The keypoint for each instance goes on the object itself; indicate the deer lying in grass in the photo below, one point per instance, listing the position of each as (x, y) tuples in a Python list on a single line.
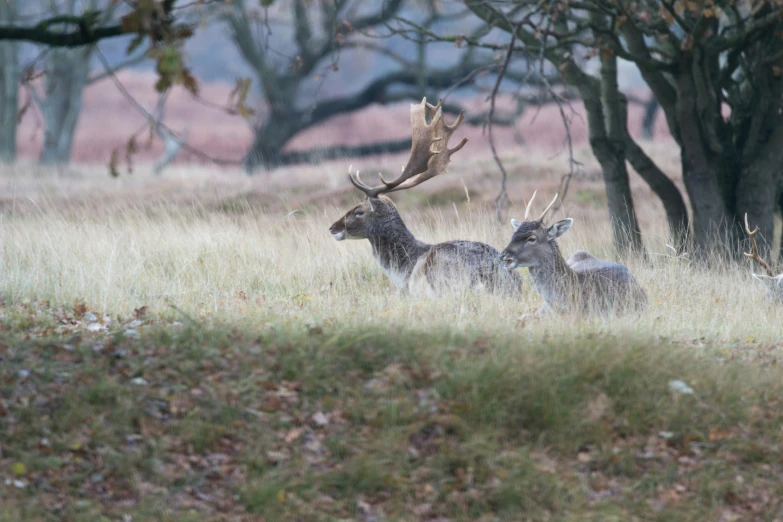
[(773, 283), (583, 284), (412, 265)]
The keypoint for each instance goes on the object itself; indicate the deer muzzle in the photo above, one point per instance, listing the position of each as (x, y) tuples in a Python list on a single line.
[(337, 231), (508, 260)]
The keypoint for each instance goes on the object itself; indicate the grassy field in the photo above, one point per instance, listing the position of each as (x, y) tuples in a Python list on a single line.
[(197, 347)]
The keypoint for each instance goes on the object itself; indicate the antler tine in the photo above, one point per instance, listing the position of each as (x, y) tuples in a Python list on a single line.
[(427, 158), (358, 183), (547, 208), (434, 108), (527, 205), (754, 249)]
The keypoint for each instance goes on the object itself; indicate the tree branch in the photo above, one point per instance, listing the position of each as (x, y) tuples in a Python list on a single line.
[(85, 32), (43, 35), (502, 196), (122, 65), (320, 154)]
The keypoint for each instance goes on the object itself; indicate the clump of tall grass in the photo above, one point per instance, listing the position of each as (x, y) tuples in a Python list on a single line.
[(221, 244)]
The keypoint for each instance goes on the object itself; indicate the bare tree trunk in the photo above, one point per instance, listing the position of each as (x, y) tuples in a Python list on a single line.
[(625, 227), (62, 102), (664, 188), (607, 130), (648, 122), (780, 210), (758, 190), (712, 221), (269, 140), (9, 88), (618, 188), (661, 185)]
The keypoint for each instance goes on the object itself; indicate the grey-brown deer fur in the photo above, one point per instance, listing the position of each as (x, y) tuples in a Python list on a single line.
[(415, 266), (412, 265), (774, 286), (583, 284)]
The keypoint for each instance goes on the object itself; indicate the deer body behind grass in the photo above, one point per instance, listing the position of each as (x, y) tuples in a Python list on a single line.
[(412, 265), (773, 283), (583, 284)]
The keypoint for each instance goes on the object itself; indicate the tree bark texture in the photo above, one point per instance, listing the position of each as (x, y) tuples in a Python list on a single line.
[(706, 175), (729, 167), (9, 88)]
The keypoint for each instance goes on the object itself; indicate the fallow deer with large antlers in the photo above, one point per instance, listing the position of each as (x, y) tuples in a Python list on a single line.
[(773, 283), (412, 265), (583, 284)]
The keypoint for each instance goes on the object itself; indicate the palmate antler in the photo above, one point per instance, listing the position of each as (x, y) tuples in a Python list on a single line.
[(754, 249), (430, 152)]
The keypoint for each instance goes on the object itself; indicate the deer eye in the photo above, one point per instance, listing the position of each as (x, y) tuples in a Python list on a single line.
[(531, 239), (359, 213)]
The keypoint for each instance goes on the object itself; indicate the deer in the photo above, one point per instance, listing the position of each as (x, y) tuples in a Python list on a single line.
[(411, 265), (584, 284), (772, 282)]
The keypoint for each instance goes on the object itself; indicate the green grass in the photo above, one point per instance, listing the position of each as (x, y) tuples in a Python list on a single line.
[(217, 421)]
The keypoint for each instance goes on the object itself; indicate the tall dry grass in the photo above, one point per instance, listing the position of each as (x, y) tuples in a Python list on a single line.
[(218, 243)]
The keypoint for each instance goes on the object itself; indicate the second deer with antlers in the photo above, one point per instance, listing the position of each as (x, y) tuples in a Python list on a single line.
[(583, 284), (412, 265)]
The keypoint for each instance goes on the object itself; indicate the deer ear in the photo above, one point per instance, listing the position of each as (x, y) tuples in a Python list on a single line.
[(559, 228), (515, 224)]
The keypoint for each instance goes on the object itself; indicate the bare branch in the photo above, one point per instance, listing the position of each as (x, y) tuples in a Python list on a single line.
[(172, 144), (84, 29), (120, 66), (502, 197), (150, 117)]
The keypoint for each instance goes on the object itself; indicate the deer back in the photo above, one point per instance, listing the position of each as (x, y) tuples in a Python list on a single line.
[(454, 266), (607, 285)]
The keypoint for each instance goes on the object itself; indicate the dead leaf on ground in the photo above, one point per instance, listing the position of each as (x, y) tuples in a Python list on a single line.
[(271, 405), (292, 435)]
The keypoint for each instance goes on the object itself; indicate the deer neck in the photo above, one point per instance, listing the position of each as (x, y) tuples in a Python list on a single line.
[(554, 280), (396, 249)]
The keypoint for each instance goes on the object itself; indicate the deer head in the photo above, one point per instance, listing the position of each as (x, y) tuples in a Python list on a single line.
[(773, 283), (532, 241), (429, 157)]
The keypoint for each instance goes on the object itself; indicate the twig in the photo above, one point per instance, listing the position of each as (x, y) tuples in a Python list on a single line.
[(502, 197), (150, 117), (183, 314), (565, 181), (127, 63)]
